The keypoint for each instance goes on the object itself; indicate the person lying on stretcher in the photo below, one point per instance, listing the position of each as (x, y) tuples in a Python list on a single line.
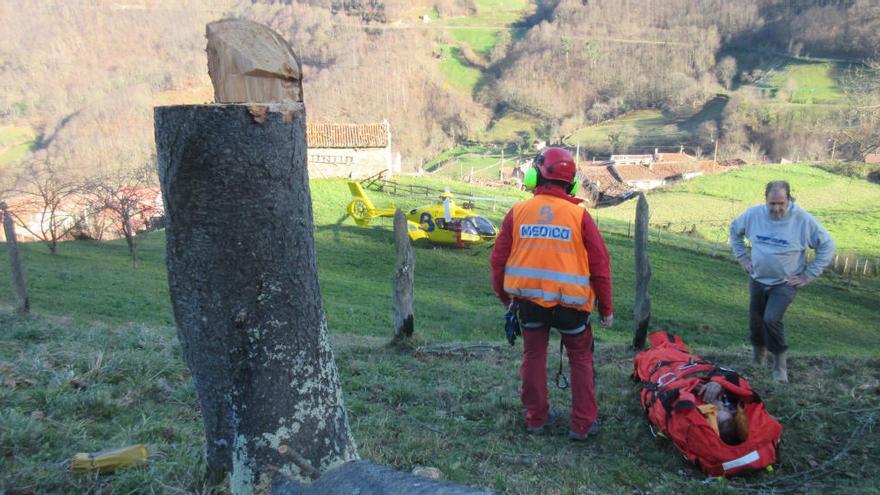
[(722, 413)]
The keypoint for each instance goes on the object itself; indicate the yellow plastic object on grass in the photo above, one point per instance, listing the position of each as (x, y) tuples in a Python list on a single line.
[(107, 461)]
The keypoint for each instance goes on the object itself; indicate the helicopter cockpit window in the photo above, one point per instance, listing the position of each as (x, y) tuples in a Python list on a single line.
[(481, 225)]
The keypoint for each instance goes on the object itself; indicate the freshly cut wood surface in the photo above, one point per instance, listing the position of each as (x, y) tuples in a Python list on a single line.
[(248, 62)]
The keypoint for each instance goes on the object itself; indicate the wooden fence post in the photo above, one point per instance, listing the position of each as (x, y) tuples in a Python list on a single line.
[(23, 306), (402, 283), (642, 306)]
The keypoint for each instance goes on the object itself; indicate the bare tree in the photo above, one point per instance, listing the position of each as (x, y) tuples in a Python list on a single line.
[(47, 205), (860, 133), (126, 195), (725, 70)]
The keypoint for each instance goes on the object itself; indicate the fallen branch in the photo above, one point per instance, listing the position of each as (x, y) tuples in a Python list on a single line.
[(456, 349)]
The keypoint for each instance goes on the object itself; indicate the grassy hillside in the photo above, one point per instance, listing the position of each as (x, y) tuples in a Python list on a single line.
[(808, 82), (453, 295), (106, 326), (480, 33), (643, 130), (457, 71), (796, 90), (71, 388), (15, 142), (846, 207)]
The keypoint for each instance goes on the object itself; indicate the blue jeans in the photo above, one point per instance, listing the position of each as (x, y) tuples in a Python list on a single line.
[(766, 309)]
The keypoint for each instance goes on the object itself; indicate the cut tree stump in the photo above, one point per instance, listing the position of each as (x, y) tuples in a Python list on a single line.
[(244, 289), (241, 266), (243, 279), (249, 62)]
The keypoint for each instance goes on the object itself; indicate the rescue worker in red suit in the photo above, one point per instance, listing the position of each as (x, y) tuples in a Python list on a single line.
[(551, 263)]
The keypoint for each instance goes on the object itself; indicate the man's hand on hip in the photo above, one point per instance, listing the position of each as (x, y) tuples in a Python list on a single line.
[(798, 281), (607, 321), (746, 263)]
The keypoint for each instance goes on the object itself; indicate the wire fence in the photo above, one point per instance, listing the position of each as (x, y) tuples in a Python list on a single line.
[(684, 236)]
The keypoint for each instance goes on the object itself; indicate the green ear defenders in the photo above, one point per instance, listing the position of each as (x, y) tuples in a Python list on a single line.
[(530, 181)]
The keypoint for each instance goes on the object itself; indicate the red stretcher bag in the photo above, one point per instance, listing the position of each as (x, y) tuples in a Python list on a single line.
[(671, 377)]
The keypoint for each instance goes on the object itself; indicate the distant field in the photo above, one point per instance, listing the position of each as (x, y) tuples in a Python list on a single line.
[(642, 130), (480, 32), (636, 127), (15, 142), (506, 129), (812, 82), (804, 91), (457, 71), (846, 207), (485, 161)]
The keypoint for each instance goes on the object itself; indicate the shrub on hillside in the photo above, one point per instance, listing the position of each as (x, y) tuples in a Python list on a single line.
[(859, 170)]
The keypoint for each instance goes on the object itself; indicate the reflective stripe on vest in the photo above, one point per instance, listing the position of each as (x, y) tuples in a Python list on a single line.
[(566, 278), (548, 262), (547, 297)]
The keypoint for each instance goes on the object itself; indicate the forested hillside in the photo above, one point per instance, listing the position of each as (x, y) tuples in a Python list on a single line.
[(78, 79)]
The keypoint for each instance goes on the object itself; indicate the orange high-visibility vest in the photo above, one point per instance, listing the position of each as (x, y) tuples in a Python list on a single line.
[(548, 264)]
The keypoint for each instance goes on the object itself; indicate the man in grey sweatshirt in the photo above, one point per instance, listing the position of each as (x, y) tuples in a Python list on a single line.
[(779, 232)]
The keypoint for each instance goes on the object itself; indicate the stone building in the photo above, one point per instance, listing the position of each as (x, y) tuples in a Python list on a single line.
[(349, 150)]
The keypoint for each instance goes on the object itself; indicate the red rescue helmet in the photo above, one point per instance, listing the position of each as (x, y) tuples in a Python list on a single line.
[(553, 164)]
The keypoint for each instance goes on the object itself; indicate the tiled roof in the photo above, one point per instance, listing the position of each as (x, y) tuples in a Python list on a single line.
[(872, 158), (347, 135), (603, 180), (671, 169), (674, 157), (629, 172)]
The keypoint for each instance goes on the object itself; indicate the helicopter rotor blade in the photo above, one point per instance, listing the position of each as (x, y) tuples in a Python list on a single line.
[(483, 198)]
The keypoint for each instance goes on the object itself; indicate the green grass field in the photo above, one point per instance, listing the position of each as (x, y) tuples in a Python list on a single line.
[(15, 143), (846, 207), (806, 91), (812, 82), (480, 33), (484, 160), (457, 71), (642, 130), (506, 129), (102, 324)]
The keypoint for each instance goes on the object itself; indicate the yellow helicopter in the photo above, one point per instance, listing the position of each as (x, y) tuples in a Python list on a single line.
[(443, 223)]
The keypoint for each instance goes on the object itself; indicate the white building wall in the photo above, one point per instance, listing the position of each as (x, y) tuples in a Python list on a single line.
[(348, 162)]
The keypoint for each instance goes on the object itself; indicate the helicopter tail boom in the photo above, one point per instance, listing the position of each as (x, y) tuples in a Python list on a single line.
[(361, 208)]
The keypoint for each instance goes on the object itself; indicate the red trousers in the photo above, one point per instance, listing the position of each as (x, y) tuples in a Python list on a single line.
[(533, 373)]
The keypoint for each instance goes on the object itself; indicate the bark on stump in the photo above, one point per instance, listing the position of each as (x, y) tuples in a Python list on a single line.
[(19, 286), (244, 289), (402, 283), (642, 306)]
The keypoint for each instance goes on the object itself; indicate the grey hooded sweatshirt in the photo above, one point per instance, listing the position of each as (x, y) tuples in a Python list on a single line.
[(779, 246)]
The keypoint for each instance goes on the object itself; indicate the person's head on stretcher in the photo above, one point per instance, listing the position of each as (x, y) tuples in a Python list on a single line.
[(713, 393)]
